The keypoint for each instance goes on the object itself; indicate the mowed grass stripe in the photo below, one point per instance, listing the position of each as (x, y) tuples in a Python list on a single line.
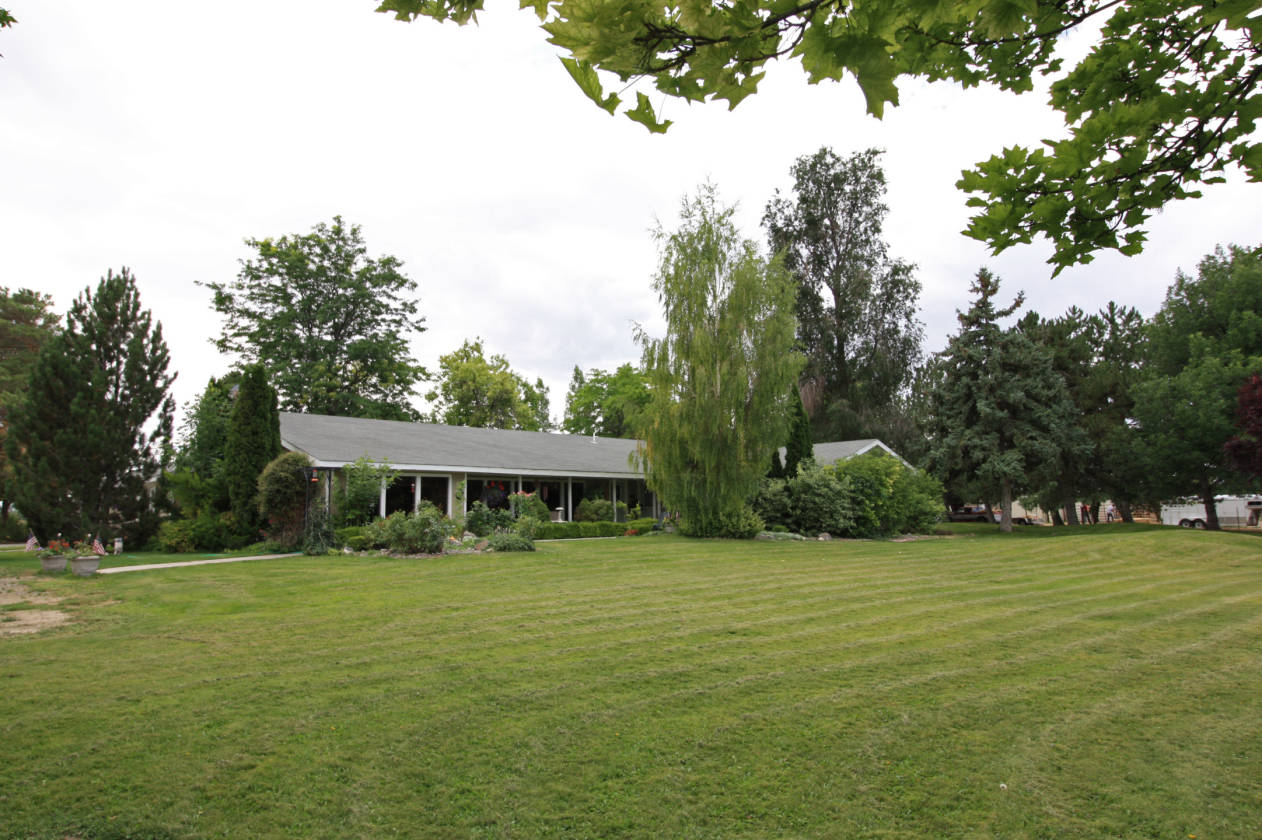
[(575, 634), (580, 632)]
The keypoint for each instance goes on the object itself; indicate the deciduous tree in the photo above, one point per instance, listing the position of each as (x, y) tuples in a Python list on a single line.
[(1205, 341), (606, 404), (721, 377), (1165, 100), (856, 306), (329, 323), (95, 424), (1244, 451), (473, 390)]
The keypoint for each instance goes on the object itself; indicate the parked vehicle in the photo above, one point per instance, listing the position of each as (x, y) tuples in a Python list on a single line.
[(1233, 512), (971, 513), (980, 513)]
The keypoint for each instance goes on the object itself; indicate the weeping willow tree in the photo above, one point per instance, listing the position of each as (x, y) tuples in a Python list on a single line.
[(722, 378)]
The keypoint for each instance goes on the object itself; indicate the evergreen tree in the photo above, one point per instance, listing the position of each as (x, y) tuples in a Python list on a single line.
[(27, 321), (1002, 418), (252, 442), (95, 423), (799, 448), (721, 376)]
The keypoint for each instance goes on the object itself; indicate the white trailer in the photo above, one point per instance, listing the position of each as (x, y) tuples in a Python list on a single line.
[(1233, 512)]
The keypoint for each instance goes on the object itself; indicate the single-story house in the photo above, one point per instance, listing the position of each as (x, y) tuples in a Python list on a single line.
[(432, 460)]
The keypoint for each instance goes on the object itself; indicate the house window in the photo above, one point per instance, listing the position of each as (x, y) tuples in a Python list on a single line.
[(401, 495), (434, 491), (490, 491)]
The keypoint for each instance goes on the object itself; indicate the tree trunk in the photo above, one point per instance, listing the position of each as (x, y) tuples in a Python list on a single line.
[(1005, 505), (1095, 513), (1124, 508), (4, 513), (1057, 519), (1211, 508), (1071, 513)]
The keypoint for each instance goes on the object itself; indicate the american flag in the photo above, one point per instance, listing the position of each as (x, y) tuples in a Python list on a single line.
[(97, 548), (32, 544)]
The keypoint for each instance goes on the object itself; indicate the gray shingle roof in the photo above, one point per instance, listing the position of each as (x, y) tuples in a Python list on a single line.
[(840, 450), (334, 441)]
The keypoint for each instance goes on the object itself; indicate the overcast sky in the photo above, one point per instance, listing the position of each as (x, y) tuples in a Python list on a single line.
[(159, 135)]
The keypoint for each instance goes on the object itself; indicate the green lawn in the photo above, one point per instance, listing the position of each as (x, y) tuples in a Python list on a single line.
[(1093, 682)]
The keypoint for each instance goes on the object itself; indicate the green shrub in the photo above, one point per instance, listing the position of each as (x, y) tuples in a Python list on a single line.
[(211, 532), (773, 503), (742, 524), (819, 501), (283, 489), (557, 531), (14, 529), (343, 535), (484, 521), (889, 498), (527, 527), (508, 541), (594, 510), (358, 542), (423, 532), (529, 505), (642, 526), (918, 502), (175, 537)]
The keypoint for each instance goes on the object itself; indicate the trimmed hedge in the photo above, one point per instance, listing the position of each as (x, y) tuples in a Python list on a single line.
[(579, 530)]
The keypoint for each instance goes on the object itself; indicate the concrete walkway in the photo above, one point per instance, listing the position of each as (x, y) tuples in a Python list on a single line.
[(117, 569)]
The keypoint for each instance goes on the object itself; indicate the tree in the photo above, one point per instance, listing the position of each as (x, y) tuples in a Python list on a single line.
[(95, 423), (856, 306), (1205, 341), (199, 483), (1002, 419), (359, 494), (1244, 451), (1067, 340), (252, 441), (27, 321), (800, 447), (328, 323), (606, 404), (1165, 100), (721, 377), (473, 390)]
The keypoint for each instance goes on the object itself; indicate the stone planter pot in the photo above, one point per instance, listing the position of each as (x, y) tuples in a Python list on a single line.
[(85, 566), (55, 563)]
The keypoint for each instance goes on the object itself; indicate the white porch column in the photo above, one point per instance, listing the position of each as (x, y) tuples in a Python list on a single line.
[(613, 497), (381, 507), (569, 500), (416, 493)]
